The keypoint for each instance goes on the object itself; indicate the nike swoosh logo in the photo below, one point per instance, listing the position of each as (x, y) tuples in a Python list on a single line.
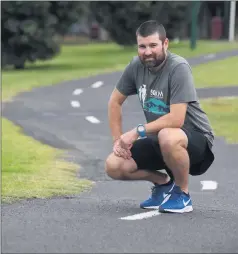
[(172, 187), (185, 203)]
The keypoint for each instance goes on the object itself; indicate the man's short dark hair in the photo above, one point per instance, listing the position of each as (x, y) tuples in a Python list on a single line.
[(150, 27)]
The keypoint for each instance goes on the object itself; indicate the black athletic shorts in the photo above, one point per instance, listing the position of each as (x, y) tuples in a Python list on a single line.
[(147, 154)]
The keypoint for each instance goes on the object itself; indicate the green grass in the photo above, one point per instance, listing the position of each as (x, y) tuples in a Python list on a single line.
[(31, 169), (218, 73), (80, 61), (223, 116)]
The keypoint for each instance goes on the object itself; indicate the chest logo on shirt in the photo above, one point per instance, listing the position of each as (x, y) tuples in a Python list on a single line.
[(142, 94), (158, 94), (154, 103)]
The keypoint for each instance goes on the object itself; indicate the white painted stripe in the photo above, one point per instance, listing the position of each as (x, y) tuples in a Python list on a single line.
[(92, 119), (97, 84), (141, 216), (209, 185), (210, 56), (77, 91), (227, 97), (75, 104)]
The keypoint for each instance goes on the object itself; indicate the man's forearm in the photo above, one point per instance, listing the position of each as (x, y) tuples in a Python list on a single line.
[(115, 122), (166, 121)]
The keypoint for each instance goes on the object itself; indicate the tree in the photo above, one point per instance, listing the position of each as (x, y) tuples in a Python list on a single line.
[(121, 19), (30, 29), (66, 13)]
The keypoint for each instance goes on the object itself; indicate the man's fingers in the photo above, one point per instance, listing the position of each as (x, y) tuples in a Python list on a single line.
[(126, 154), (120, 152), (116, 152), (122, 149), (125, 145)]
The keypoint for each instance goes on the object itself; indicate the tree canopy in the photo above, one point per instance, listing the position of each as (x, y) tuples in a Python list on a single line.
[(29, 29), (121, 19)]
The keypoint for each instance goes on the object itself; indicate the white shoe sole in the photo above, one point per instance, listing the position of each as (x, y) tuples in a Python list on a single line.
[(186, 209), (149, 207)]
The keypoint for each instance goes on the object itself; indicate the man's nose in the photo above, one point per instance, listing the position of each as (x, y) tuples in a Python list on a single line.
[(148, 51)]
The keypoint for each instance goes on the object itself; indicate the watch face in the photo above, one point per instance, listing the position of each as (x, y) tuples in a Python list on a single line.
[(141, 128)]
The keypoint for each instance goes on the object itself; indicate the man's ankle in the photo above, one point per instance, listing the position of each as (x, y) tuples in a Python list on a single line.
[(166, 181), (185, 191)]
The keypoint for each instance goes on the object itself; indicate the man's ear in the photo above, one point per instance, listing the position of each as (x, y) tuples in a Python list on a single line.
[(166, 43)]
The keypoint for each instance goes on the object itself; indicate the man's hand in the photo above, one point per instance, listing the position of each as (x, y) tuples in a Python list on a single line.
[(128, 138), (123, 145), (121, 152)]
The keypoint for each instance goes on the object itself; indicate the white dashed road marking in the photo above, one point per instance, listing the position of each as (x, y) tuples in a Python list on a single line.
[(75, 104), (209, 185), (210, 56), (92, 119), (97, 84), (77, 91), (141, 216)]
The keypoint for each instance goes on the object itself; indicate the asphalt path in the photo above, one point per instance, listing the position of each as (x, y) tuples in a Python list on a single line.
[(107, 219)]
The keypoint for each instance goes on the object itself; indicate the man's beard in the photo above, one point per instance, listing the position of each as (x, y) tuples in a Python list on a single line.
[(154, 61)]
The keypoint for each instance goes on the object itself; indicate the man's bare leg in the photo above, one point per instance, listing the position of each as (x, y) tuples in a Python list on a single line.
[(121, 169), (173, 143)]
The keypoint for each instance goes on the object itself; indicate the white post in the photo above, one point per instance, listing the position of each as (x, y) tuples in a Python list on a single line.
[(232, 20)]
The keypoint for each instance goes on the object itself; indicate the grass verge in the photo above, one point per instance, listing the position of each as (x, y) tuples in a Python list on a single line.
[(33, 170), (217, 74), (77, 61), (223, 116)]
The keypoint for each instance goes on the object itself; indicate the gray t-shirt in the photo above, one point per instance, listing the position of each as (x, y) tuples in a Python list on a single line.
[(172, 84)]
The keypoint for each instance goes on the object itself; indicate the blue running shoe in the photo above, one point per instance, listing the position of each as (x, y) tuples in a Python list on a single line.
[(177, 202), (159, 194)]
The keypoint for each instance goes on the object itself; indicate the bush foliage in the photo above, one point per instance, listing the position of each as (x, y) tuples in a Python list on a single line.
[(29, 29)]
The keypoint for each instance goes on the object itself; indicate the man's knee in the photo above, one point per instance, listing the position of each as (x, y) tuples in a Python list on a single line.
[(170, 138), (114, 166), (118, 168)]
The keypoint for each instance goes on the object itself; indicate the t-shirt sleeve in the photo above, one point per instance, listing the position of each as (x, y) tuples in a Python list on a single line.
[(126, 84), (182, 89)]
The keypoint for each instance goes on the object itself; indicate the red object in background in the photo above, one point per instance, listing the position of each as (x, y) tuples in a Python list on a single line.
[(94, 32), (216, 28)]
